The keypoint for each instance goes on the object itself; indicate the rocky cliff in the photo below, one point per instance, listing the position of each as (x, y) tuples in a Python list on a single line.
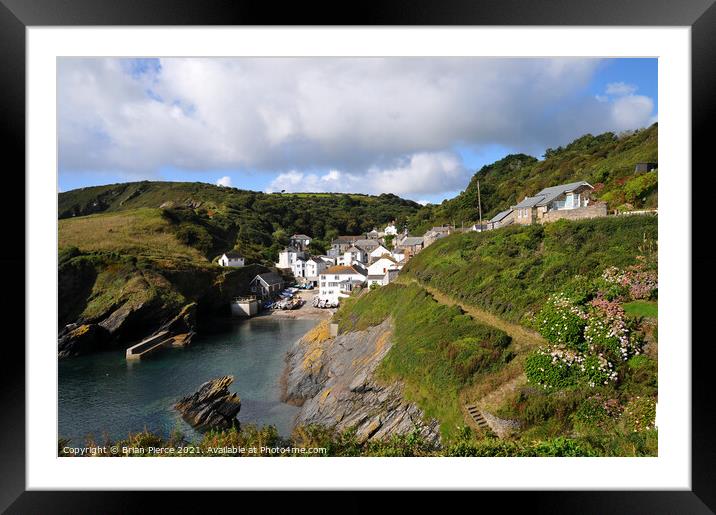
[(109, 301), (333, 380)]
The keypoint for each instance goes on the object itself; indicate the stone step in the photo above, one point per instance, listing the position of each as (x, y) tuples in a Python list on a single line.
[(477, 417)]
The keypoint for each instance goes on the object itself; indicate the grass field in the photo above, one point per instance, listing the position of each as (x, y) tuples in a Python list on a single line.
[(140, 232), (642, 308)]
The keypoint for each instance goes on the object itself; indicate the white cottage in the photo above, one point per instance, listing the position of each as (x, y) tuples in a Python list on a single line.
[(352, 255), (300, 241), (390, 229), (381, 266), (231, 258), (314, 267), (298, 267), (377, 253), (338, 281), (288, 256)]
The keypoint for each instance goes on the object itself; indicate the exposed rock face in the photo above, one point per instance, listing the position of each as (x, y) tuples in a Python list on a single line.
[(333, 381), (181, 327), (503, 428), (76, 339), (140, 308), (212, 406)]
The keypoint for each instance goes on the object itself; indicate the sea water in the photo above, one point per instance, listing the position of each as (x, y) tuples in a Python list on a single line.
[(103, 393)]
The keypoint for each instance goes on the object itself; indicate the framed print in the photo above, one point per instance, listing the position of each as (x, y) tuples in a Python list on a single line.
[(421, 252)]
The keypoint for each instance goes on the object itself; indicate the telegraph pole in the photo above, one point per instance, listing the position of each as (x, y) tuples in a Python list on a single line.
[(479, 204)]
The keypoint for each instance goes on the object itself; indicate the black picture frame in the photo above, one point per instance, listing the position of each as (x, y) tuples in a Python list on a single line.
[(17, 15)]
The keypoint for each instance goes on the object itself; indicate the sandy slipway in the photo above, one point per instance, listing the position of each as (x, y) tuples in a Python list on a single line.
[(333, 382)]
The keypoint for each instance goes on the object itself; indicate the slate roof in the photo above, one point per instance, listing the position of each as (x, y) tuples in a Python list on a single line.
[(551, 193), (412, 240), (530, 201), (300, 237), (345, 239), (376, 277), (270, 278), (367, 243), (501, 215), (233, 254)]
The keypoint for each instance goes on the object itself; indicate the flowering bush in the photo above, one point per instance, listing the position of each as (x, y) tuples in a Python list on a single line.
[(553, 367), (597, 370), (588, 330), (559, 367), (561, 321), (635, 281), (608, 333)]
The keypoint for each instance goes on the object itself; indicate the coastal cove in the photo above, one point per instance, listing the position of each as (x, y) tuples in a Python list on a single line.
[(102, 393)]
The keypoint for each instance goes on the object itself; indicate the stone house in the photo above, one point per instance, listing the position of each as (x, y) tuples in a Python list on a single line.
[(570, 201)]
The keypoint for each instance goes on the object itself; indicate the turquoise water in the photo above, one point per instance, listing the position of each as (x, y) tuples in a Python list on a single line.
[(103, 393)]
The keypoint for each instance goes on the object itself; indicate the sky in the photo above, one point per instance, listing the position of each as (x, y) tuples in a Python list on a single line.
[(415, 127)]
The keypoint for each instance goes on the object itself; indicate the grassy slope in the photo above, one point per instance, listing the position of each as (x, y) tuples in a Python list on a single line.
[(214, 219), (642, 308), (140, 232), (605, 161), (437, 351), (511, 271)]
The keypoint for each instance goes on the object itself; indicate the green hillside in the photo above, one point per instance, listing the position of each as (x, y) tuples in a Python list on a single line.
[(438, 350), (551, 328), (214, 219), (511, 271), (606, 161)]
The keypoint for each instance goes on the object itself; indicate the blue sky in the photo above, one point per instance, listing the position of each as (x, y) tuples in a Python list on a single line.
[(418, 128)]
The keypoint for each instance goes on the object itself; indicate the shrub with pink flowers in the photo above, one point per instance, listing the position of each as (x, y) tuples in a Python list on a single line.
[(608, 333), (636, 282), (586, 340)]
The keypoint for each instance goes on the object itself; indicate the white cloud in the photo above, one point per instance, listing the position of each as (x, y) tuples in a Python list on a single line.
[(620, 88), (631, 110), (224, 181), (372, 120), (418, 174)]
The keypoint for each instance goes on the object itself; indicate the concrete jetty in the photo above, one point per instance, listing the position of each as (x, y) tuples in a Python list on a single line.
[(150, 345)]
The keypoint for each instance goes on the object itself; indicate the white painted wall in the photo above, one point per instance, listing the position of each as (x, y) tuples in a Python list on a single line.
[(328, 288), (225, 261), (381, 267), (378, 252)]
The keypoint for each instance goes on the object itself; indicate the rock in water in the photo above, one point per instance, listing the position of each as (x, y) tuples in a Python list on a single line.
[(212, 406)]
